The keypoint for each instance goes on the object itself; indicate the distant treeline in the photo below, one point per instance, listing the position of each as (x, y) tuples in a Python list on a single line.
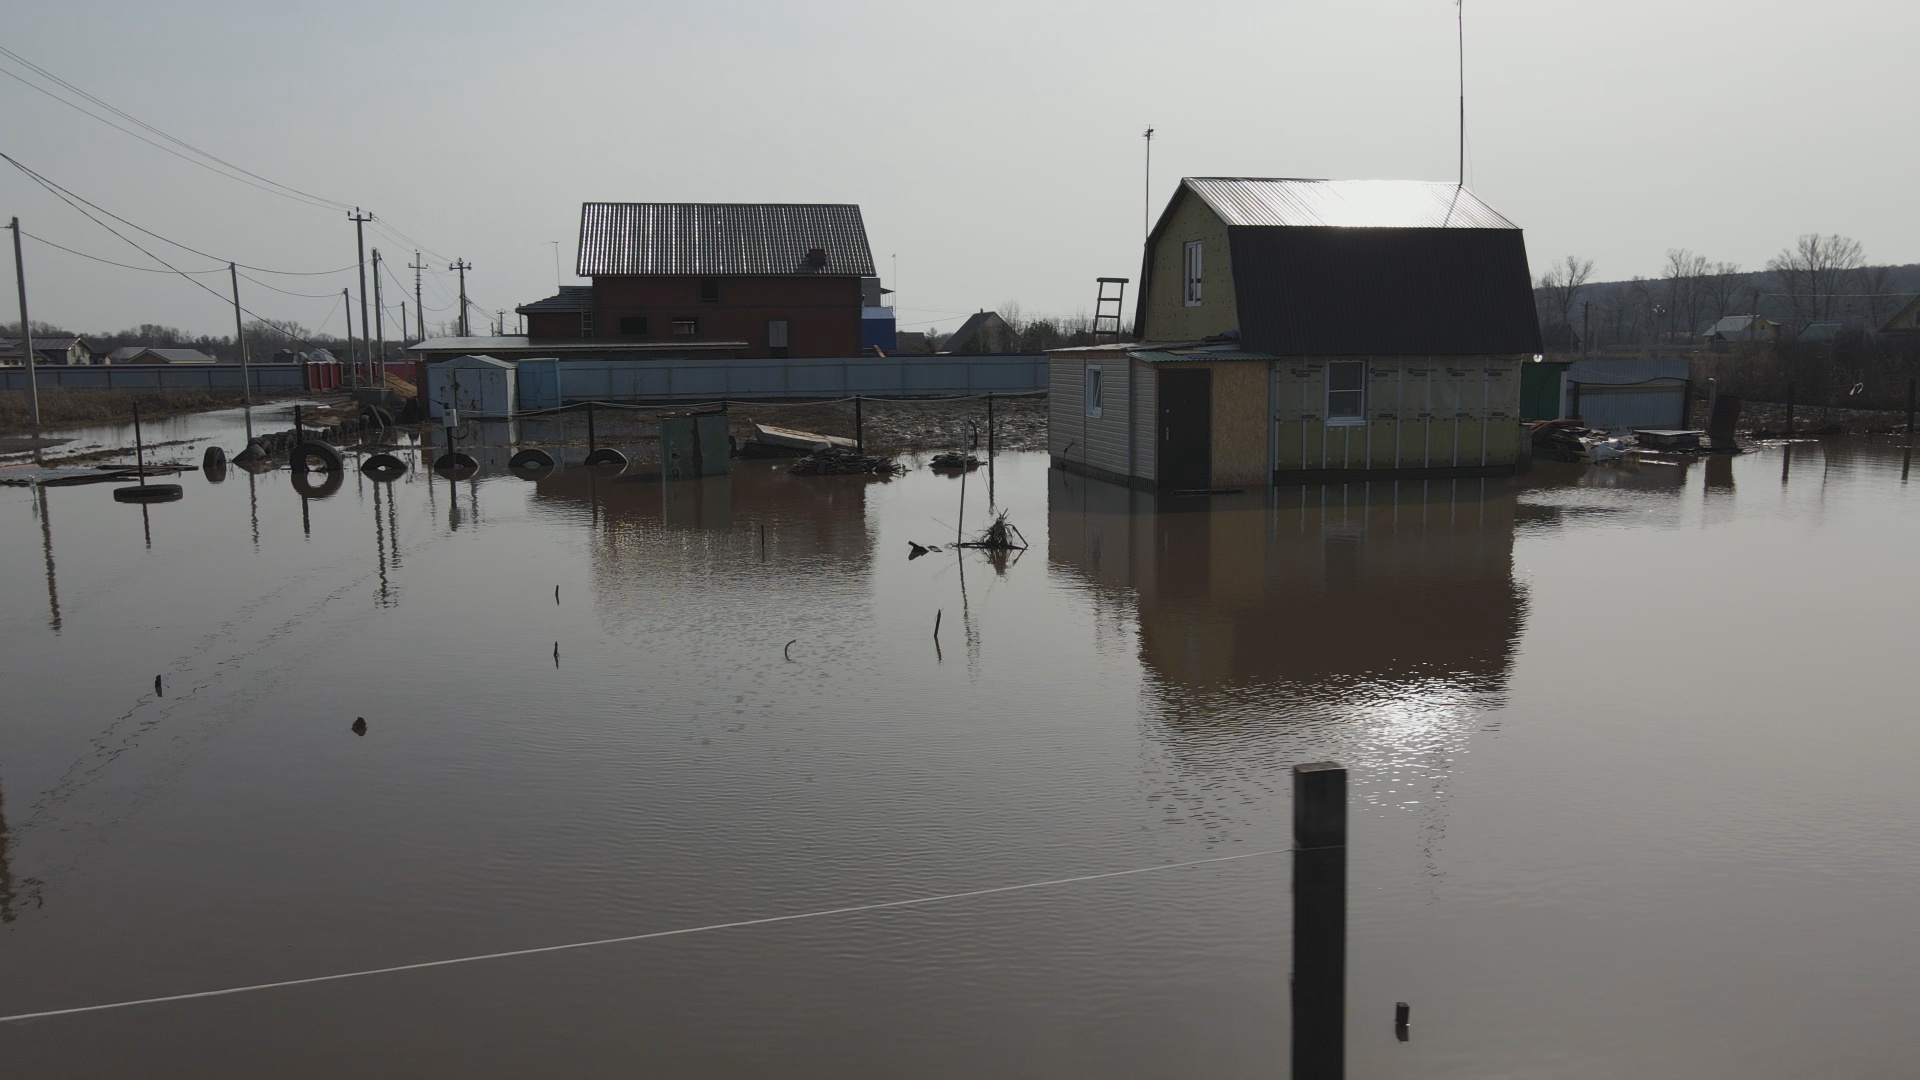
[(264, 337)]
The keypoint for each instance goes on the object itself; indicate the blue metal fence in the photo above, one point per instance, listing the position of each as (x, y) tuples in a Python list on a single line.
[(266, 378), (706, 380)]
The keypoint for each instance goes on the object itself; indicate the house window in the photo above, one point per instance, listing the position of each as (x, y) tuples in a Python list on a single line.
[(709, 290), (777, 338), (686, 327), (1193, 273), (633, 325), (1093, 390), (1347, 392), (586, 324)]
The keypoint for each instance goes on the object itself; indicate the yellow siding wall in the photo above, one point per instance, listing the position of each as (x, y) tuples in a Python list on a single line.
[(1421, 413), (1168, 316)]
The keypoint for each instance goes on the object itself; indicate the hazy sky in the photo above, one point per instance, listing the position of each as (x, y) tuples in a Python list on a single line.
[(994, 146)]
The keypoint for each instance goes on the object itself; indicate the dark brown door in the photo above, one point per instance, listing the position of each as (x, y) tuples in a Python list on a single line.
[(1186, 429)]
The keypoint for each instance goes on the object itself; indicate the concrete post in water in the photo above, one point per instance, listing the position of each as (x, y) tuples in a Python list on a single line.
[(1789, 410), (591, 447), (26, 330), (989, 426), (139, 449), (1319, 921), (240, 338)]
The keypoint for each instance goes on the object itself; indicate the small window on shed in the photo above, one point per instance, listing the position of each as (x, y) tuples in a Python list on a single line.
[(709, 290), (686, 327), (1346, 392), (586, 324), (777, 338), (1193, 273), (1093, 391), (633, 325)]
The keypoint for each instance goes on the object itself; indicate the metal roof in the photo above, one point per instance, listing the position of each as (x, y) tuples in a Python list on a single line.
[(1186, 356), (570, 299), (1345, 204), (722, 239)]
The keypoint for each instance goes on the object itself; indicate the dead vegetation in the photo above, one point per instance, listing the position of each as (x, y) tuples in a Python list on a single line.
[(79, 408)]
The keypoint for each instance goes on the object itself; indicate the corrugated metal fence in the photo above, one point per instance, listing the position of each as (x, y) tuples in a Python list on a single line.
[(705, 380), (266, 378), (1618, 395)]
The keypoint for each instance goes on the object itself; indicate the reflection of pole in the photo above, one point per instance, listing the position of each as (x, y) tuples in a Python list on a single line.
[(1319, 921), (46, 546)]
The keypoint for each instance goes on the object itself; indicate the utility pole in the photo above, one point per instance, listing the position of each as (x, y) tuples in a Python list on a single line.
[(403, 325), (419, 309), (26, 329), (1146, 211), (1460, 20), (500, 323), (360, 238), (379, 368), (240, 338), (346, 305), (463, 266)]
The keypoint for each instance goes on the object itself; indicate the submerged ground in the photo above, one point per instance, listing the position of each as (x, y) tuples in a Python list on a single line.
[(1631, 748)]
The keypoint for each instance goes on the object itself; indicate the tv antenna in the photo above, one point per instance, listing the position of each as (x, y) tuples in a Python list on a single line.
[(1146, 210)]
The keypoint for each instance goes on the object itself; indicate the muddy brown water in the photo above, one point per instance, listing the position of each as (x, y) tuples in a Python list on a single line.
[(1633, 773)]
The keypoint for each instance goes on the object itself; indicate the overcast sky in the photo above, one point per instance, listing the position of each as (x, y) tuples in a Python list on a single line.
[(994, 147)]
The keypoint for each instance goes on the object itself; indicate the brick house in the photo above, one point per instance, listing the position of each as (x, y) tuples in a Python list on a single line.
[(730, 279)]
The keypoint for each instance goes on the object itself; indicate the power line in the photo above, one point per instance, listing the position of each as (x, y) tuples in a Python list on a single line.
[(289, 292), (57, 189), (303, 196), (121, 265)]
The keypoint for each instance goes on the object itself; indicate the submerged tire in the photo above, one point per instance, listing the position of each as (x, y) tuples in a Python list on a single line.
[(147, 493), (330, 459), (454, 462), (607, 456), (531, 459), (383, 467), (330, 482)]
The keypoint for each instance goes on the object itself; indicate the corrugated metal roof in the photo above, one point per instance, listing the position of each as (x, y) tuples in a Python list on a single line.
[(1383, 291), (1345, 204), (1187, 356), (722, 239), (570, 299)]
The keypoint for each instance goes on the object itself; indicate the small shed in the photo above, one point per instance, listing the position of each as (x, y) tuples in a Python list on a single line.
[(473, 385)]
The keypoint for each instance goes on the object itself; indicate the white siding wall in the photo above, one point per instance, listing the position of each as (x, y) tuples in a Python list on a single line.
[(1072, 435)]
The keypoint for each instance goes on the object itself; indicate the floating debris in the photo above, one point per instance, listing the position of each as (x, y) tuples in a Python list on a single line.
[(914, 551), (953, 461), (360, 725), (1002, 535), (835, 461)]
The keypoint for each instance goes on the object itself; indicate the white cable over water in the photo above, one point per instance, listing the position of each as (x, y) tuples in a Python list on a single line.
[(738, 924)]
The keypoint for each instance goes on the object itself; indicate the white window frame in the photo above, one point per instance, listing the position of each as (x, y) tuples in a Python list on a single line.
[(1192, 273), (1095, 384), (1359, 417)]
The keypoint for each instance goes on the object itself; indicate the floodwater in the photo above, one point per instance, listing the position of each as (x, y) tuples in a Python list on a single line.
[(1633, 774)]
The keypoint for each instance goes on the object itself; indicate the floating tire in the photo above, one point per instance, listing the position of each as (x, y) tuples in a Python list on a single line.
[(607, 456), (213, 465), (147, 493), (383, 467), (330, 483), (455, 464), (302, 456), (531, 459)]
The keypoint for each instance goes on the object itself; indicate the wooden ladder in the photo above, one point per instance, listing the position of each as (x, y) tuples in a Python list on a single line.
[(1106, 320)]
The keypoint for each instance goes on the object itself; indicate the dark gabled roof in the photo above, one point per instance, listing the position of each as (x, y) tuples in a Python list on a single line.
[(1345, 291), (722, 239), (1366, 267), (977, 323), (571, 299)]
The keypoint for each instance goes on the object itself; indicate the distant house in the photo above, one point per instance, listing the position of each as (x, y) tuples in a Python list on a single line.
[(1824, 330), (716, 279), (1734, 329), (61, 351), (984, 333), (140, 354), (1904, 321), (909, 342), (1305, 332)]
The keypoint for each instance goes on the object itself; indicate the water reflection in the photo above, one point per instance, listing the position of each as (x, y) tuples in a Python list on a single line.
[(46, 545), (1372, 623)]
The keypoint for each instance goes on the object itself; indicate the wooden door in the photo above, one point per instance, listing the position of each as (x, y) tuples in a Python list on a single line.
[(1186, 429)]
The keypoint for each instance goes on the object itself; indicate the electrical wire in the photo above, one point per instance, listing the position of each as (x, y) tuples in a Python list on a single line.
[(121, 265), (288, 292), (737, 924), (296, 194)]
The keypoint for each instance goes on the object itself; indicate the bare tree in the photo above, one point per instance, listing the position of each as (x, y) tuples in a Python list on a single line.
[(1814, 271), (1878, 299), (1684, 278), (1562, 284), (1723, 286)]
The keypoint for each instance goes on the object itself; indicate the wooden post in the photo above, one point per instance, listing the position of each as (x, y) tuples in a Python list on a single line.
[(1789, 410), (859, 430), (989, 425), (1911, 386), (591, 446), (1319, 921)]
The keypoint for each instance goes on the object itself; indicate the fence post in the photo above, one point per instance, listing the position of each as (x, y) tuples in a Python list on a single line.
[(1789, 410), (1319, 921), (989, 425), (1911, 383), (859, 430), (591, 445)]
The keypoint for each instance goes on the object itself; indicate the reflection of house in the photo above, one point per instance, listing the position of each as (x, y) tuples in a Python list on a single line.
[(1344, 592), (725, 279), (1307, 331)]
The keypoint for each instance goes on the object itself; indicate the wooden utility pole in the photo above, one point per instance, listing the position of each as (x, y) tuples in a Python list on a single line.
[(419, 309), (26, 330), (360, 239), (240, 337), (1319, 921), (346, 304), (379, 367), (463, 266)]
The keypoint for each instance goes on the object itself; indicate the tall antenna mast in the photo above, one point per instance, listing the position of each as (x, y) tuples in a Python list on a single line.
[(1146, 209), (1460, 20)]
